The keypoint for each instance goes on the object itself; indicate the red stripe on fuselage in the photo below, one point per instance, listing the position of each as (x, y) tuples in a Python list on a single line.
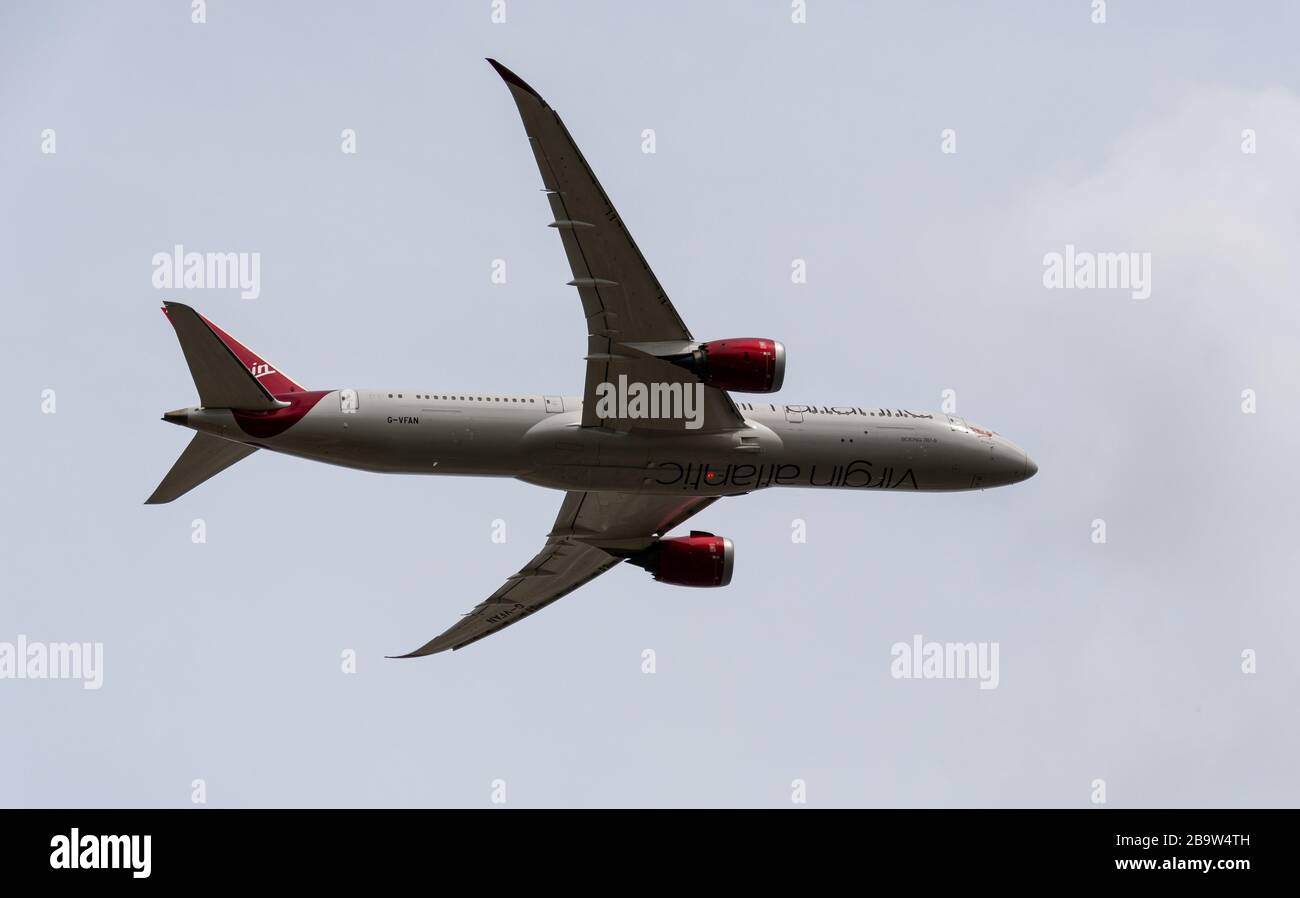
[(276, 421)]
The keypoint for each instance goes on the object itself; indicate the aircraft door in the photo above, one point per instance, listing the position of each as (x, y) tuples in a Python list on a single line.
[(553, 404)]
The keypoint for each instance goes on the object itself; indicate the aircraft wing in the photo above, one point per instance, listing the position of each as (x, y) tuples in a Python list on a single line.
[(575, 552), (622, 299)]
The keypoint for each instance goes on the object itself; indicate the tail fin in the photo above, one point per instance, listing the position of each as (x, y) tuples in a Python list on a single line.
[(205, 456), (227, 373)]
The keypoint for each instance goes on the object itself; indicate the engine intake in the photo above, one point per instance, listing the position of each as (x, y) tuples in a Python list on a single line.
[(700, 559), (743, 364)]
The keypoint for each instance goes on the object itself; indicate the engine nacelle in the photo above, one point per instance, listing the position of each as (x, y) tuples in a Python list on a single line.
[(743, 364), (700, 559)]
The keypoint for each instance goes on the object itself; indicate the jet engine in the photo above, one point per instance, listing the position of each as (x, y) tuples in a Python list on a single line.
[(700, 559), (743, 364)]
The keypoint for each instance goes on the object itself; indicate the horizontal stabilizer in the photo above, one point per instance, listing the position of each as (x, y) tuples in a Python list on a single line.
[(205, 456)]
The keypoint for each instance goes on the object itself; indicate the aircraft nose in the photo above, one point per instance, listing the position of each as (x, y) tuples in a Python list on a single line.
[(1002, 462), (993, 459), (1013, 462)]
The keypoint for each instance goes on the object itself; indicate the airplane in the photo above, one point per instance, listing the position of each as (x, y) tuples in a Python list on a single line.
[(654, 439)]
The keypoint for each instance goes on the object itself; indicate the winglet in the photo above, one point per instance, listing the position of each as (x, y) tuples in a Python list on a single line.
[(511, 78)]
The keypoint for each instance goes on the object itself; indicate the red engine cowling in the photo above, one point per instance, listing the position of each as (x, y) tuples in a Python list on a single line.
[(700, 559), (744, 364)]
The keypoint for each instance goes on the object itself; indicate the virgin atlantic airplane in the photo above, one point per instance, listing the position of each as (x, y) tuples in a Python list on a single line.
[(653, 440)]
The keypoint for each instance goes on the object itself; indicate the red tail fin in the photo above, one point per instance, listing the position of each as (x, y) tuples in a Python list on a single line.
[(274, 380)]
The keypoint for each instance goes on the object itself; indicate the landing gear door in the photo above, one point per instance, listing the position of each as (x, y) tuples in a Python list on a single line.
[(553, 404)]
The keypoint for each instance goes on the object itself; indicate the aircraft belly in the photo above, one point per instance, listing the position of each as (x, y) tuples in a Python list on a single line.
[(556, 451), (405, 438)]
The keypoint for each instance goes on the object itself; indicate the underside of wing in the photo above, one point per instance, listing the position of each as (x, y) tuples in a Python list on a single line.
[(553, 573), (592, 533), (622, 300)]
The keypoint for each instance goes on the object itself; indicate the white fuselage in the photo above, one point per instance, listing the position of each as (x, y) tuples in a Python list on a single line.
[(538, 439)]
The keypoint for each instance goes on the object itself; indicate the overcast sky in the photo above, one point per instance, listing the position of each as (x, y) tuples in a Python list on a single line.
[(1120, 661)]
